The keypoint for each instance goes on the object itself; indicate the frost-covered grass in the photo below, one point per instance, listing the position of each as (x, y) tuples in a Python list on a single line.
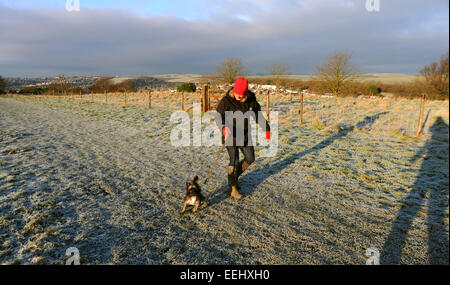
[(400, 116), (105, 179), (159, 99)]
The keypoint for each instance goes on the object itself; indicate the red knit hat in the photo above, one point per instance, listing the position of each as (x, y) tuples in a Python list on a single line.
[(240, 86)]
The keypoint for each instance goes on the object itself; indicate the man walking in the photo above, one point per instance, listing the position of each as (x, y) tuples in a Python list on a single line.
[(239, 98)]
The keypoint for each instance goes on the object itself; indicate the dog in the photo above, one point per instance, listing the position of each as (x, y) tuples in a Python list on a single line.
[(193, 196)]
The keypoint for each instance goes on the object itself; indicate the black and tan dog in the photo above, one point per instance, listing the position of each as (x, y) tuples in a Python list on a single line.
[(193, 196)]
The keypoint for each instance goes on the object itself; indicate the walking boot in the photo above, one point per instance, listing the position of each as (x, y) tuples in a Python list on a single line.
[(235, 194)]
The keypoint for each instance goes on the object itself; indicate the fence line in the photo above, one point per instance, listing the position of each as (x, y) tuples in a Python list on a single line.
[(286, 105)]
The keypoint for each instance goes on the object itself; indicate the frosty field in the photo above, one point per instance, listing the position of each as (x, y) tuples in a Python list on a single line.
[(106, 180)]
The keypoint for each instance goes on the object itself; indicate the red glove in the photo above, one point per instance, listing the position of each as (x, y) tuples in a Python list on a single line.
[(226, 132), (267, 135)]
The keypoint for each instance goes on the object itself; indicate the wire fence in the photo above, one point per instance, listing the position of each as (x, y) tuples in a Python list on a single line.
[(405, 117)]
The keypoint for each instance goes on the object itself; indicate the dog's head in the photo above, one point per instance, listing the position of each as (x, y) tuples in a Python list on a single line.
[(193, 188)]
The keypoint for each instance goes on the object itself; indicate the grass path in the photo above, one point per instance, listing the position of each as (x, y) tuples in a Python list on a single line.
[(105, 180)]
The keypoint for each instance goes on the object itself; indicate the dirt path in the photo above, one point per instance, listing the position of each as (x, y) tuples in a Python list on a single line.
[(113, 190)]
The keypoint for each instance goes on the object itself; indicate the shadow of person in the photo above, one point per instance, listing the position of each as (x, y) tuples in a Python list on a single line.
[(258, 176), (431, 186)]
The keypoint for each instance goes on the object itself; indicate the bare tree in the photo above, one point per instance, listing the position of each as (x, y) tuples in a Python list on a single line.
[(436, 78), (278, 72), (336, 72), (230, 69)]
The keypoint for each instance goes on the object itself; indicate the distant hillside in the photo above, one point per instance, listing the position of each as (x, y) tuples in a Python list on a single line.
[(179, 78), (381, 77), (147, 82), (389, 77), (142, 82)]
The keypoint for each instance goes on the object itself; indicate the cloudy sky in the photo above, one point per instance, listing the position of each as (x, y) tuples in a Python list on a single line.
[(110, 37)]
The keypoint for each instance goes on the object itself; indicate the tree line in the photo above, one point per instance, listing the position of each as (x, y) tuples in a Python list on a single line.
[(337, 75), (62, 87)]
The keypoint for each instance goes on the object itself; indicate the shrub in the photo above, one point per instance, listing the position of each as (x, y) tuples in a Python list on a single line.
[(373, 90), (32, 90), (187, 87), (105, 85)]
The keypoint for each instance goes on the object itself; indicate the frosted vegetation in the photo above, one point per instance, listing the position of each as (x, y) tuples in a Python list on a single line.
[(105, 179)]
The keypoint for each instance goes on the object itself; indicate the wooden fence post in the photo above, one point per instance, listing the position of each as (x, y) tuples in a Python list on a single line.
[(301, 107), (125, 98), (182, 101), (419, 127), (201, 99), (81, 97), (92, 97), (209, 101), (267, 105), (149, 99), (106, 97), (205, 97)]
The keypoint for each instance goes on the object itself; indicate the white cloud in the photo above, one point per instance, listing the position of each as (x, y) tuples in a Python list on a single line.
[(401, 38)]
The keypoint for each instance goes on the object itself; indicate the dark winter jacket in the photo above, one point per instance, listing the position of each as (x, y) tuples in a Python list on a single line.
[(229, 103)]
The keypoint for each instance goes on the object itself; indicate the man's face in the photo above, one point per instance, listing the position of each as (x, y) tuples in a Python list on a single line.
[(240, 97)]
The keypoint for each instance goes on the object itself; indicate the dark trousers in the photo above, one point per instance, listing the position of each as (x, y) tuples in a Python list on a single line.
[(235, 166)]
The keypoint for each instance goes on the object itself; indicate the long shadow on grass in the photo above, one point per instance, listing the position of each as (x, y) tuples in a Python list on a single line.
[(431, 186), (260, 175)]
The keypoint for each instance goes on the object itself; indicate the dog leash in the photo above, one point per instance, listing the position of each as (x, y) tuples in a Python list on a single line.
[(215, 162)]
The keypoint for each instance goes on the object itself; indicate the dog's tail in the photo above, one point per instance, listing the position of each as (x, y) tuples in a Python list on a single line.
[(195, 179)]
